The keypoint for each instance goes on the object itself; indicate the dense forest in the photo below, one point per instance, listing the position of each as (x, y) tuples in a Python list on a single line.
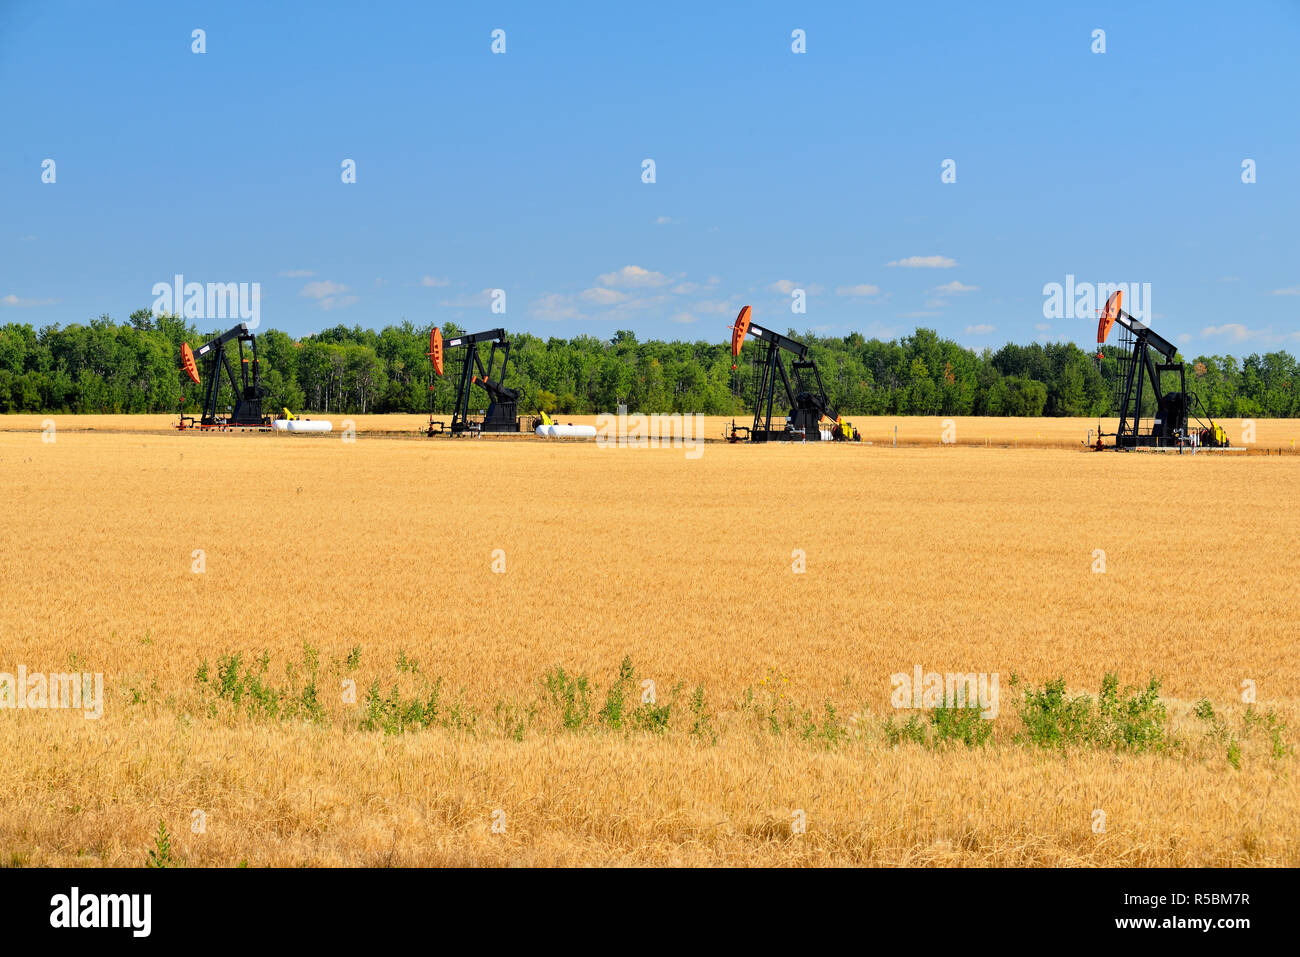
[(135, 367)]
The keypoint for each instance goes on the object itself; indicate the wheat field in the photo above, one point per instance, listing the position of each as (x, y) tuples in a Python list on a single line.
[(480, 597)]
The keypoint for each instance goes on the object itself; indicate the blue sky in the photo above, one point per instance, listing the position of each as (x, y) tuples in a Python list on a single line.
[(774, 170)]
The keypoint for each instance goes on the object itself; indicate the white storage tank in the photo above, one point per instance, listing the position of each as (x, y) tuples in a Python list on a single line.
[(567, 431), (302, 425)]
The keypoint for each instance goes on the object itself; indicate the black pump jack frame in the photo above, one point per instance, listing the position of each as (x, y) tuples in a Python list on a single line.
[(807, 404), (1151, 356), (503, 406), (246, 388)]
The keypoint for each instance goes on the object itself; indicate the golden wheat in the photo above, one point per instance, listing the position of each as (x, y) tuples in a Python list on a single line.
[(954, 559)]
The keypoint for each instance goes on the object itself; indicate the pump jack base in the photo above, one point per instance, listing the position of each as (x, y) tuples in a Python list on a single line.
[(188, 423)]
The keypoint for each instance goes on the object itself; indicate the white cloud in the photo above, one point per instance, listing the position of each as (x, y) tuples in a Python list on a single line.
[(553, 306), (1232, 330), (1043, 326), (601, 296), (322, 288), (12, 300), (296, 274), (433, 282), (1235, 332), (980, 329), (328, 294), (861, 289), (633, 277), (1288, 291), (665, 221), (924, 262), (784, 286), (953, 288)]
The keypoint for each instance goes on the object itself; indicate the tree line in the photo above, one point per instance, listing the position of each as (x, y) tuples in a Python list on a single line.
[(110, 367)]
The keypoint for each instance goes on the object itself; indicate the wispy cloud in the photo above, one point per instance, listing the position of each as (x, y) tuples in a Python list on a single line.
[(628, 294), (862, 289), (785, 287), (296, 274), (555, 307), (633, 277), (939, 295), (602, 296), (1235, 332), (953, 288), (1288, 291), (21, 303), (328, 294), (924, 262), (666, 221), (433, 282), (979, 329)]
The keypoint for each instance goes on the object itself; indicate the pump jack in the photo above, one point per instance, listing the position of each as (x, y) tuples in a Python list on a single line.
[(806, 394), (246, 388), (1137, 369), (503, 402)]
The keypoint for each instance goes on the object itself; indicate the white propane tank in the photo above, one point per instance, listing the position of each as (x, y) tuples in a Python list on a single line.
[(567, 431), (302, 425)]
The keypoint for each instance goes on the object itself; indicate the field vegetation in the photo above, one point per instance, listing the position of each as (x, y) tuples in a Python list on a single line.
[(401, 651)]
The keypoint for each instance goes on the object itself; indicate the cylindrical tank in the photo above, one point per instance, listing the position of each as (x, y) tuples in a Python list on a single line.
[(567, 431), (302, 425)]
